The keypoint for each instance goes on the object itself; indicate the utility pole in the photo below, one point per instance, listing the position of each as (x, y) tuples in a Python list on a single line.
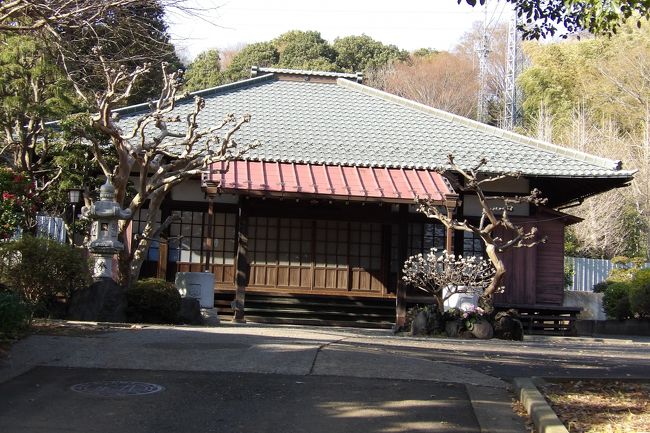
[(482, 49), (514, 61)]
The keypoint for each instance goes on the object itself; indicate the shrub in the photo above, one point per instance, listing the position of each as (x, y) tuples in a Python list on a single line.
[(15, 315), (600, 287), (42, 271), (640, 293), (616, 300), (153, 300)]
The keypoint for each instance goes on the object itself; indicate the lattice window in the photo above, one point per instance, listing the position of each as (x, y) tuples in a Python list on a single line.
[(224, 239), (188, 234), (365, 246), (138, 223), (331, 244), (186, 237), (472, 245), (424, 236)]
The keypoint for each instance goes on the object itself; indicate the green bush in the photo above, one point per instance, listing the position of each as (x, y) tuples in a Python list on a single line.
[(43, 271), (15, 315), (616, 300), (640, 293), (153, 300), (600, 287)]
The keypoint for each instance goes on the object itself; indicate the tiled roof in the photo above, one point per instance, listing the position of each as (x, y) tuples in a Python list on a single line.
[(355, 183), (349, 124)]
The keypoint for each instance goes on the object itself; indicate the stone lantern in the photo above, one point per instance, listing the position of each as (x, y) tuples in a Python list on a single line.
[(104, 215)]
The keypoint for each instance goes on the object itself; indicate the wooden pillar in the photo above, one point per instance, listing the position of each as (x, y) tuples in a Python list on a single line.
[(449, 238), (402, 239), (243, 266), (163, 251), (459, 238), (209, 236), (400, 306), (402, 252)]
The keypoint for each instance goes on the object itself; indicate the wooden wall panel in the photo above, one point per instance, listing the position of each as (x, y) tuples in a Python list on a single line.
[(319, 278), (342, 278), (550, 264), (305, 277), (521, 276), (536, 275), (283, 276), (271, 276), (355, 283), (294, 277)]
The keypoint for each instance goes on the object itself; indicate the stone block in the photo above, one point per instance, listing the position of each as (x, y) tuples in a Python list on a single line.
[(190, 312), (102, 301)]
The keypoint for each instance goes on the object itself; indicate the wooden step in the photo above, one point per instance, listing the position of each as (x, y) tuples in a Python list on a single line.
[(312, 310)]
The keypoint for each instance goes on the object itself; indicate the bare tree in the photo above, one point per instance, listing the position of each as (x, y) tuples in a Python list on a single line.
[(494, 227), (59, 16), (443, 80), (158, 157)]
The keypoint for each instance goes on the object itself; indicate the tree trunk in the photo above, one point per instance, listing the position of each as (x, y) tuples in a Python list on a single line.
[(486, 301), (141, 248)]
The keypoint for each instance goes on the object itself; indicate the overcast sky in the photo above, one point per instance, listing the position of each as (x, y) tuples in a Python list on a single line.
[(409, 24)]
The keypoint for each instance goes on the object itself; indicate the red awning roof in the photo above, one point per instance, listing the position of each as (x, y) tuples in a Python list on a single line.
[(335, 181)]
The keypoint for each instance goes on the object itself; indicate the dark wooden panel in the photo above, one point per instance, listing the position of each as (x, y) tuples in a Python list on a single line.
[(550, 264)]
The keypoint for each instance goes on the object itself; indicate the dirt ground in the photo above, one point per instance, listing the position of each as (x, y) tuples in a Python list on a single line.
[(601, 406)]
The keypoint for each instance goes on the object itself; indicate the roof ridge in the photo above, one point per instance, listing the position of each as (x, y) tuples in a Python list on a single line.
[(329, 74), (204, 92), (615, 165)]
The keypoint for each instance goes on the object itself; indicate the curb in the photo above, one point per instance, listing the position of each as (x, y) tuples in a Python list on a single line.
[(545, 420), (493, 410)]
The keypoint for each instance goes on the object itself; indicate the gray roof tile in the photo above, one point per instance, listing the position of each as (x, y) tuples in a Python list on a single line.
[(351, 124)]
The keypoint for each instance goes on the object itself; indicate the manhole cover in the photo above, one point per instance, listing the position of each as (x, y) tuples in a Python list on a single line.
[(116, 388)]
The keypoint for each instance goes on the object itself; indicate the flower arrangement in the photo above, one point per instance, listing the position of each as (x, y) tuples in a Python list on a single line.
[(444, 274)]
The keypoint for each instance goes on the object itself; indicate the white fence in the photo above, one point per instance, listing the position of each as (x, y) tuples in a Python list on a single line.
[(587, 272), (50, 227)]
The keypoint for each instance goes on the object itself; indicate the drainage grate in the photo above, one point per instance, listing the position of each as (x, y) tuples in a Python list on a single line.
[(116, 388)]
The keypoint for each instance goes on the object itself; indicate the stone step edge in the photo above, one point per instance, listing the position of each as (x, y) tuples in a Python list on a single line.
[(544, 418)]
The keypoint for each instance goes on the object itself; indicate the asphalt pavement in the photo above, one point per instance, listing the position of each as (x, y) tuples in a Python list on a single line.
[(266, 378)]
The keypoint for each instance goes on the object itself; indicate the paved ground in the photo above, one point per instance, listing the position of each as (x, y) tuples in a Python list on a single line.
[(290, 379)]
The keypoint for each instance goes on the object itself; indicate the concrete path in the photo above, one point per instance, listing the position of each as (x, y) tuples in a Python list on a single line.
[(285, 378)]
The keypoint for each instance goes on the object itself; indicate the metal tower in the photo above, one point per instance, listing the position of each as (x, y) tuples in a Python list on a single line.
[(514, 61), (482, 49)]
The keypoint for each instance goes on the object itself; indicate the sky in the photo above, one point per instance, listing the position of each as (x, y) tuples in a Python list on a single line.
[(409, 24)]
